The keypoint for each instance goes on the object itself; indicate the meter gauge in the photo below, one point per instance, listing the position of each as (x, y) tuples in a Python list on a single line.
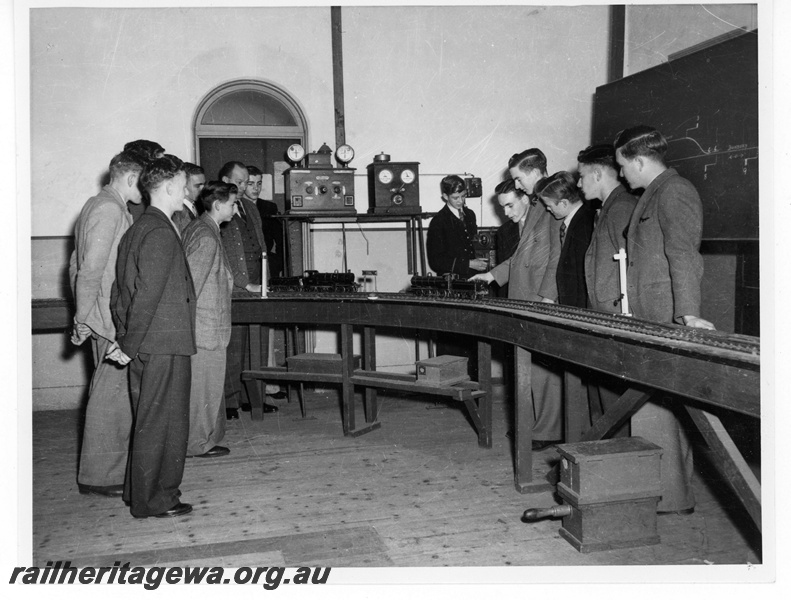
[(295, 153), (407, 176), (344, 154), (386, 176)]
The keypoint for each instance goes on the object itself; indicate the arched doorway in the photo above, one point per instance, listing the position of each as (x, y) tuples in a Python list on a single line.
[(252, 121)]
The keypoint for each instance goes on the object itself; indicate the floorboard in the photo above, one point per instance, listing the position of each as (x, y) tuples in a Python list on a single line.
[(417, 492)]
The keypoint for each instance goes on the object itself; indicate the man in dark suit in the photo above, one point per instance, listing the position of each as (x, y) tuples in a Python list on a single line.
[(450, 250), (243, 240), (273, 231), (190, 209), (598, 180), (153, 308), (145, 151), (664, 274), (561, 198), (449, 246)]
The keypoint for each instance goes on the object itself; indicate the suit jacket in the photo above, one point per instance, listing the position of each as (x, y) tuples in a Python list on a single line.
[(153, 300), (571, 264), (601, 269), (530, 272), (184, 217), (449, 245), (102, 222), (273, 235), (232, 241), (213, 280), (662, 245)]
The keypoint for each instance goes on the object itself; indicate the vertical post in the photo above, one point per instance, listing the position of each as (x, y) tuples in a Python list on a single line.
[(617, 42), (337, 75), (347, 388), (485, 382), (523, 417), (369, 364)]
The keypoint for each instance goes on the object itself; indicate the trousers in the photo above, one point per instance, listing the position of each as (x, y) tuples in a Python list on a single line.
[(236, 355), (657, 423), (160, 388), (108, 421), (207, 408)]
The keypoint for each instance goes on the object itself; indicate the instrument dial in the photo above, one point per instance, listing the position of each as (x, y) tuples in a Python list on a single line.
[(344, 153), (407, 176), (386, 176), (295, 153)]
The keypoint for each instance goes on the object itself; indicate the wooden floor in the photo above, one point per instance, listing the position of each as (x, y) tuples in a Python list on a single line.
[(295, 492)]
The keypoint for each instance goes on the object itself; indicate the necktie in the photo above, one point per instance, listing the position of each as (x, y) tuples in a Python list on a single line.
[(562, 233), (596, 218)]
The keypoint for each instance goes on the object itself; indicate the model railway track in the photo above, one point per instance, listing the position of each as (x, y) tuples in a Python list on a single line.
[(714, 339)]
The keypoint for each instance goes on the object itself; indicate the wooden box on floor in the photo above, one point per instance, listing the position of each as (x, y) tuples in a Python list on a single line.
[(613, 488), (442, 370)]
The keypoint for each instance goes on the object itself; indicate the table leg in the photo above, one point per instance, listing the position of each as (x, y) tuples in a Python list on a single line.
[(485, 382), (369, 364)]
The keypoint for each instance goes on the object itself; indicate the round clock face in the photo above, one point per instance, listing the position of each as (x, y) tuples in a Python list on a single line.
[(385, 176), (407, 176), (344, 153), (295, 152)]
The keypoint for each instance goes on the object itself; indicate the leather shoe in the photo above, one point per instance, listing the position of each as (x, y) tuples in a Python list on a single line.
[(231, 413), (538, 445), (182, 508), (110, 491), (279, 395), (216, 451), (684, 512), (270, 408)]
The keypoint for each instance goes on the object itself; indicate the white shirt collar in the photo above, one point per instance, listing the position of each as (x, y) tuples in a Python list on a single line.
[(454, 212)]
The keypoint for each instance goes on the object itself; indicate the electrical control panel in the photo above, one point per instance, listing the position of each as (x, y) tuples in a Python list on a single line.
[(318, 187), (393, 187)]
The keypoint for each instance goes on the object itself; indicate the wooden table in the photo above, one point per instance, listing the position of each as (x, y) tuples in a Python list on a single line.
[(713, 370)]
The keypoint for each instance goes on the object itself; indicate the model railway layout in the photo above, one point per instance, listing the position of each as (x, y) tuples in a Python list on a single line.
[(716, 339)]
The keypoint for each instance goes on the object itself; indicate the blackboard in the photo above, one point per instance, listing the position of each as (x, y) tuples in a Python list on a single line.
[(706, 105)]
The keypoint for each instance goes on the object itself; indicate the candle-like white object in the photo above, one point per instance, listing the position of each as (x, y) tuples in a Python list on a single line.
[(264, 277), (621, 258)]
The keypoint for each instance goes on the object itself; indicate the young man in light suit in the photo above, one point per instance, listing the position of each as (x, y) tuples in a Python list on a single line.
[(530, 274), (108, 417), (153, 307), (664, 274), (213, 279)]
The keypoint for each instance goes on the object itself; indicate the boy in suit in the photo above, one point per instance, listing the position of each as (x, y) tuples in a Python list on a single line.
[(530, 274), (108, 417), (213, 280), (598, 180), (560, 196), (190, 210), (153, 307), (664, 274), (449, 246), (243, 239)]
